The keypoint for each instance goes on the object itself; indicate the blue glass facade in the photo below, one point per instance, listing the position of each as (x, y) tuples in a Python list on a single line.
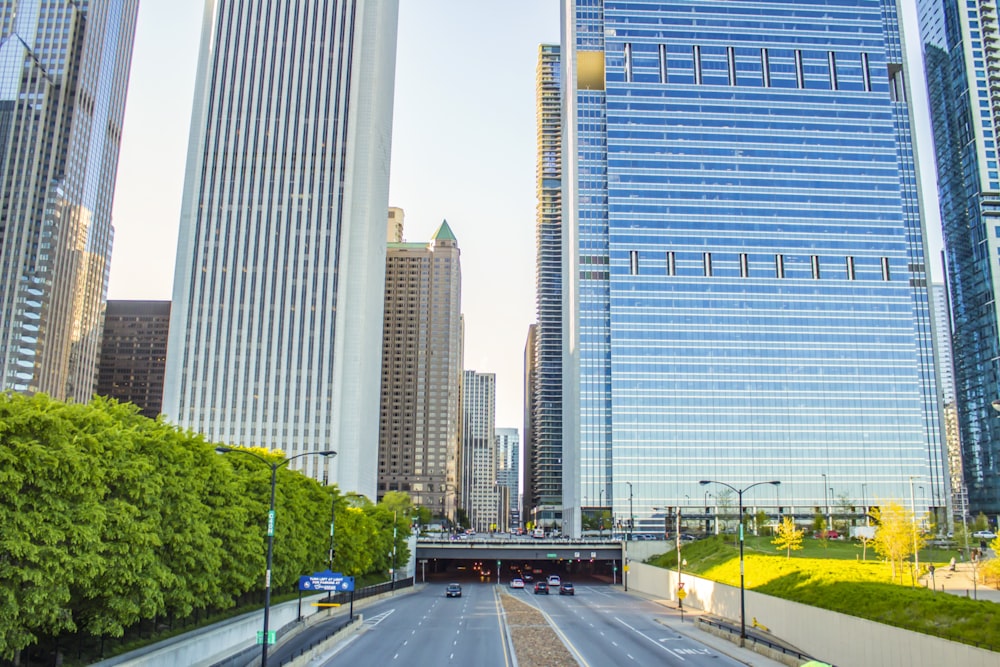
[(746, 289), (965, 113)]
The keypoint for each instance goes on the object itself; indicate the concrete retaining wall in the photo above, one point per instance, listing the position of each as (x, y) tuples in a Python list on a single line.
[(829, 636)]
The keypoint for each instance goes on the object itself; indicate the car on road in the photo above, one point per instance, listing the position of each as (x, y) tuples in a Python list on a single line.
[(567, 589), (554, 581), (541, 587), (984, 535), (453, 591), (528, 578), (517, 583)]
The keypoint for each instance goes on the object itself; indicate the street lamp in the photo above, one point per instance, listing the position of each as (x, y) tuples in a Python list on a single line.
[(677, 538), (274, 465), (708, 516), (864, 501), (600, 518), (913, 510), (739, 493), (826, 503), (631, 512)]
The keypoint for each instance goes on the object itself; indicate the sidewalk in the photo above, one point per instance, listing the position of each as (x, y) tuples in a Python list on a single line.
[(960, 582), (690, 629)]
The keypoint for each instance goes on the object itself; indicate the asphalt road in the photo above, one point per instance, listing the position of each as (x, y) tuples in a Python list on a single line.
[(426, 628), (602, 625)]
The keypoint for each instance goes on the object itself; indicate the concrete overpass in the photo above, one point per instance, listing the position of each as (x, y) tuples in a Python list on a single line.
[(525, 549)]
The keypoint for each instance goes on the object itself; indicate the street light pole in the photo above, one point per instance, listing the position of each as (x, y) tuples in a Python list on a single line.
[(913, 510), (739, 494), (222, 449), (600, 516), (631, 512), (826, 502)]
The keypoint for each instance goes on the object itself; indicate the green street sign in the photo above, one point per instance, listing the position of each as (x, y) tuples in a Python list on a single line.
[(552, 555), (270, 523), (271, 637)]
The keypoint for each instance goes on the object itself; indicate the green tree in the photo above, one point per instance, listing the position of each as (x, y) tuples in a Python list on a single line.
[(896, 535), (788, 537), (760, 520)]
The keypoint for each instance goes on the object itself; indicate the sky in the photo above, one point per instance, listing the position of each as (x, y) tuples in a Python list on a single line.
[(463, 150)]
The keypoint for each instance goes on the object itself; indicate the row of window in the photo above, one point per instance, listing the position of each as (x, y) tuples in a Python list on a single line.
[(670, 264), (767, 67)]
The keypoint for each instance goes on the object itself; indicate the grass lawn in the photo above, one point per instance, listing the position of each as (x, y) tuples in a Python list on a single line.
[(834, 577)]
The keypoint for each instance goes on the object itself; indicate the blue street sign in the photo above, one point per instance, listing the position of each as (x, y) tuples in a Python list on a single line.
[(326, 581)]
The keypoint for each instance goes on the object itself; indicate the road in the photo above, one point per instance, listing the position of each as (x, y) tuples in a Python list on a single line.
[(426, 628), (601, 625)]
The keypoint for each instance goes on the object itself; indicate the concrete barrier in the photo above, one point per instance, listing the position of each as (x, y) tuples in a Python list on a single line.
[(828, 635)]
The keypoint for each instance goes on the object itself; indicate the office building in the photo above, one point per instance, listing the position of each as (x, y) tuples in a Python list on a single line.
[(420, 425), (508, 450), (134, 354), (744, 272), (545, 499), (64, 69), (947, 399), (480, 497), (394, 225), (959, 42), (279, 282), (529, 424)]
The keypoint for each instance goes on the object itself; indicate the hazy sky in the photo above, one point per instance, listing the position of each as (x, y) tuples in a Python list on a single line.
[(463, 150)]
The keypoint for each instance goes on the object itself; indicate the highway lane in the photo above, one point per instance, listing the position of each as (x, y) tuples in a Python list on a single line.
[(604, 626), (425, 628)]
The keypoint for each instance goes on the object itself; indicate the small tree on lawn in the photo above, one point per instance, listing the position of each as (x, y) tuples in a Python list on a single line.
[(788, 537), (760, 520), (896, 535), (991, 567)]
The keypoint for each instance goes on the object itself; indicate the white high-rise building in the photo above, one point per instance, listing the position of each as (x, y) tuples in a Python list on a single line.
[(509, 473), (278, 289), (479, 453)]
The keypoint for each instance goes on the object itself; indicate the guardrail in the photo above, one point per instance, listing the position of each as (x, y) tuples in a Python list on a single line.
[(725, 627)]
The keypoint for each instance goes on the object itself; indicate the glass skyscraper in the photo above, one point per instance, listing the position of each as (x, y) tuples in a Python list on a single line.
[(544, 501), (744, 277), (960, 39), (64, 69), (278, 289)]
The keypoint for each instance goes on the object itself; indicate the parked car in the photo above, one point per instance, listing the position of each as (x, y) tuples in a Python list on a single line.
[(541, 587), (830, 534), (554, 581), (984, 535), (566, 589), (453, 591), (517, 583)]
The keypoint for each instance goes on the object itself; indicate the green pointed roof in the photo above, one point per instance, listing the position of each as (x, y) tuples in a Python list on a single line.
[(444, 233)]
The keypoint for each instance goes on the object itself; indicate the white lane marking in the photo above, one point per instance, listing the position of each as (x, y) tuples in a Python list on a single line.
[(650, 639), (614, 644), (375, 620), (630, 656), (395, 656)]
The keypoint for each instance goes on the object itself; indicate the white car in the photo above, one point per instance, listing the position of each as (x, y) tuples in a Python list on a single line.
[(554, 581), (984, 535), (517, 583)]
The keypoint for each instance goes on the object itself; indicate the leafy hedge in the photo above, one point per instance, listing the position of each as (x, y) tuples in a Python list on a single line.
[(109, 518)]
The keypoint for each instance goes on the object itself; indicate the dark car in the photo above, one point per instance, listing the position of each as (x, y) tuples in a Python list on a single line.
[(566, 589), (541, 587), (453, 591), (528, 578)]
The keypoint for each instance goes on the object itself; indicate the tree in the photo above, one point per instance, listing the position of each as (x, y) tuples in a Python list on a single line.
[(724, 507), (760, 520), (896, 535), (845, 508), (788, 537), (991, 568)]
